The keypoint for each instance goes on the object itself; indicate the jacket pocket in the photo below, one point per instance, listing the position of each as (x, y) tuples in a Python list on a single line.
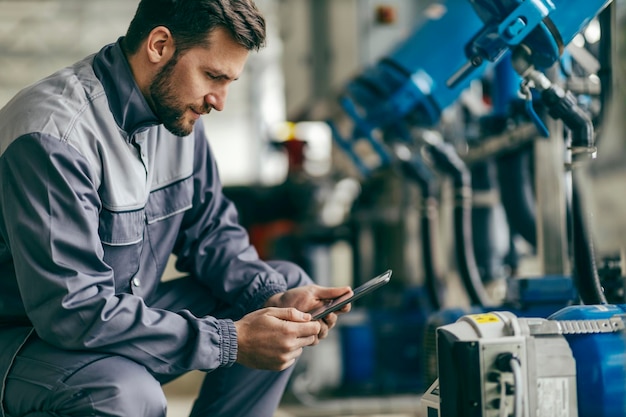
[(169, 201), (122, 235)]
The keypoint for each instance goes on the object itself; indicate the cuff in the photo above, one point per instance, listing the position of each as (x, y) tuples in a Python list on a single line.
[(263, 295), (228, 346)]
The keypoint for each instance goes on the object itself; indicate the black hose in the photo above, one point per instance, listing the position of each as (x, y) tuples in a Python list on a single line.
[(563, 105), (433, 281), (416, 170), (585, 269), (446, 158), (517, 193)]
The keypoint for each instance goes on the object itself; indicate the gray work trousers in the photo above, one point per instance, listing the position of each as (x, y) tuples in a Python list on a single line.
[(45, 381)]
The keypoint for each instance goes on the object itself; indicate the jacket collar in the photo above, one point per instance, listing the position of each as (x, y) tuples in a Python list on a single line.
[(128, 105)]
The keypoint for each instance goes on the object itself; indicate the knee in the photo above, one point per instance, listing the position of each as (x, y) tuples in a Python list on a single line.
[(294, 274), (125, 388), (141, 394)]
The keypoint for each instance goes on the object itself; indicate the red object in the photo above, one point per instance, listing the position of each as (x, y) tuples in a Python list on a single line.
[(295, 153), (386, 14), (262, 236)]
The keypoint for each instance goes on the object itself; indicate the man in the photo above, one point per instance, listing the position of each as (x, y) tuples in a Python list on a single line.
[(105, 171)]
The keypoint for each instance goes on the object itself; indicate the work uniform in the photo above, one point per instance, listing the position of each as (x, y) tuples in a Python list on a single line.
[(95, 194)]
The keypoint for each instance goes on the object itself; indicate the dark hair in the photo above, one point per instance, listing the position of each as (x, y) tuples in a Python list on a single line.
[(190, 21)]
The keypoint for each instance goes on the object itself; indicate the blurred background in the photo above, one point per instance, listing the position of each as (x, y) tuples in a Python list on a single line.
[(455, 142)]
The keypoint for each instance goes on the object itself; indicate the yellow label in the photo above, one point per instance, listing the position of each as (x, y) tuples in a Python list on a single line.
[(485, 318)]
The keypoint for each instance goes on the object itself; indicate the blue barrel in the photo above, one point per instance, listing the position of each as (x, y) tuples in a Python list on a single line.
[(358, 350), (411, 80), (600, 362)]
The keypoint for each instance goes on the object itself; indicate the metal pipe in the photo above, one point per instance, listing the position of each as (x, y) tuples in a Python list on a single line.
[(563, 105)]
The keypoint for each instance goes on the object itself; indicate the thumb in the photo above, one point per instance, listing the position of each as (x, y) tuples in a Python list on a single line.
[(289, 314), (332, 292)]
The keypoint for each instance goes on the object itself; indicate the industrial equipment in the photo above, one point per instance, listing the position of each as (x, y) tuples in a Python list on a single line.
[(412, 86), (545, 27), (493, 361), (496, 364), (572, 363), (408, 87)]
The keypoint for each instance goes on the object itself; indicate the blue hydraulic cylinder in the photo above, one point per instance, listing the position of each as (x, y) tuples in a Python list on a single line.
[(411, 80), (546, 27), (600, 362)]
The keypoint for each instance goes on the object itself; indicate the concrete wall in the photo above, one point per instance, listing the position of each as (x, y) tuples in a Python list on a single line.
[(37, 37)]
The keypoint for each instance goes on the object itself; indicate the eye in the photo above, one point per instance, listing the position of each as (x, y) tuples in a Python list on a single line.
[(211, 76)]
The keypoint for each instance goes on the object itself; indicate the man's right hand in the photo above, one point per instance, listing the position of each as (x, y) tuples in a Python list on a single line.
[(273, 338)]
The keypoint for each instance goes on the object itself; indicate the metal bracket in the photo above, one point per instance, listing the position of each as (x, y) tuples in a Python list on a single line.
[(552, 327)]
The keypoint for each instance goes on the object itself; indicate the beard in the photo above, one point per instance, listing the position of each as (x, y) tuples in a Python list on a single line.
[(167, 106)]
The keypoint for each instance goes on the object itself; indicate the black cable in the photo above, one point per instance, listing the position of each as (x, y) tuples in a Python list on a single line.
[(446, 158), (416, 170)]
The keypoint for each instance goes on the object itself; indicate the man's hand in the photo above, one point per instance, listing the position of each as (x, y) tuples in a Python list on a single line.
[(310, 297), (273, 338)]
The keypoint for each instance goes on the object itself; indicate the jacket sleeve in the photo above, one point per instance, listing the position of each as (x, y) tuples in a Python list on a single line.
[(215, 248), (49, 210)]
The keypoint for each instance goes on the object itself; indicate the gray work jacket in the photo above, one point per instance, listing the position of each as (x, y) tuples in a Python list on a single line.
[(95, 194)]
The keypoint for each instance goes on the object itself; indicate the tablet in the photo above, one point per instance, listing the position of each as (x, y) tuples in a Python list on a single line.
[(337, 303)]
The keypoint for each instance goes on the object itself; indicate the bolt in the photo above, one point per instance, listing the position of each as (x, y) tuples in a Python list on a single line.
[(515, 28)]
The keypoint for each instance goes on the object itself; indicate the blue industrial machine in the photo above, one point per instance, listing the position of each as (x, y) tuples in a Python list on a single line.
[(600, 355), (497, 364), (544, 26), (422, 76), (574, 361), (405, 88), (416, 82), (408, 86)]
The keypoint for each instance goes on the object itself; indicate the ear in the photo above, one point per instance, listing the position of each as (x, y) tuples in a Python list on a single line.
[(160, 45)]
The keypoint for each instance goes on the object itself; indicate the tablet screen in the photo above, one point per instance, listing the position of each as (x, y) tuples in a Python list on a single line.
[(337, 303)]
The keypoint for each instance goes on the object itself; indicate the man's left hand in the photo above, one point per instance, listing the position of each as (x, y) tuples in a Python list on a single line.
[(310, 297)]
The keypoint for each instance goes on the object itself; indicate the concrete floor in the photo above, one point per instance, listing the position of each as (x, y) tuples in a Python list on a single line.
[(179, 406), (181, 393), (319, 367)]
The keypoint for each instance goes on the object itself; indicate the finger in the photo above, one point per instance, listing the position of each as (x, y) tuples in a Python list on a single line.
[(288, 360), (300, 329), (305, 330), (324, 330), (344, 309), (287, 365), (289, 314), (325, 293), (308, 340), (329, 321)]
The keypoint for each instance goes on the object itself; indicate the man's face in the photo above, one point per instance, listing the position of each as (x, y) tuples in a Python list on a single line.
[(195, 82)]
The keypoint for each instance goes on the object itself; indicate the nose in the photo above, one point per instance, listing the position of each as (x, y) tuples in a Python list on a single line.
[(216, 99)]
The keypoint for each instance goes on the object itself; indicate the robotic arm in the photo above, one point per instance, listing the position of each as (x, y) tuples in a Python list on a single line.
[(427, 73), (545, 27), (408, 86)]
